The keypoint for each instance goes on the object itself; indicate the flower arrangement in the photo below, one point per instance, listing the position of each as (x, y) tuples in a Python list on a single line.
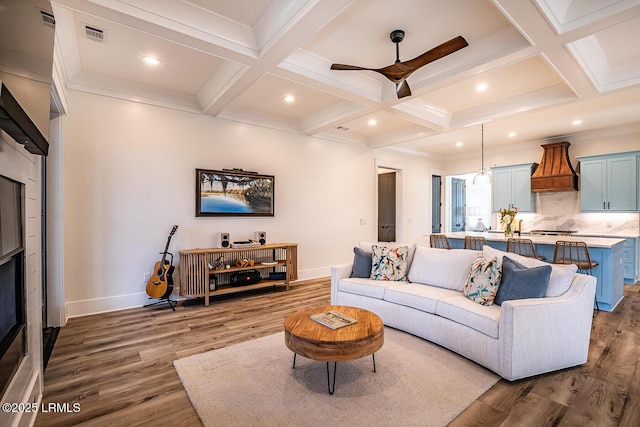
[(507, 217)]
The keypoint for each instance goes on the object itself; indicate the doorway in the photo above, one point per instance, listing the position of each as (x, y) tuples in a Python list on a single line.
[(469, 200), (53, 303), (386, 205), (458, 204), (436, 204)]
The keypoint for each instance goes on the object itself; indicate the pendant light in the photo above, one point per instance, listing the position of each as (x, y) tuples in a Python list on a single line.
[(483, 177)]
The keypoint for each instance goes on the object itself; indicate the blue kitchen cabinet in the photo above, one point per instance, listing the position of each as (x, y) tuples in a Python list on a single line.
[(609, 182), (629, 260), (512, 187)]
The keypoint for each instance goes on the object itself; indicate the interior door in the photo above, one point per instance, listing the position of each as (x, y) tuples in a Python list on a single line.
[(458, 204), (436, 203), (387, 207)]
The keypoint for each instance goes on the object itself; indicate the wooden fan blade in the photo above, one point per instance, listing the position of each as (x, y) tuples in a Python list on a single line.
[(402, 89), (446, 48), (348, 67), (399, 71)]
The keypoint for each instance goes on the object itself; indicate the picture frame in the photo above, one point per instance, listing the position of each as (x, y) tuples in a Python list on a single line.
[(234, 192)]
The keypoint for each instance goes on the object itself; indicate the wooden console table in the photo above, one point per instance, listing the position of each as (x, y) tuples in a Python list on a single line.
[(195, 273)]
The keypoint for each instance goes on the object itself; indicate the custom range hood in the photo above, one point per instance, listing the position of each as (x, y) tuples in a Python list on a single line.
[(554, 173), (15, 122)]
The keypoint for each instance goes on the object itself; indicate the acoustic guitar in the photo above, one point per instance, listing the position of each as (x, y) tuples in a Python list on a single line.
[(160, 284)]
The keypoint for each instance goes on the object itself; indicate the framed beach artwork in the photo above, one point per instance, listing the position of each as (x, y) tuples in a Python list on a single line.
[(233, 192)]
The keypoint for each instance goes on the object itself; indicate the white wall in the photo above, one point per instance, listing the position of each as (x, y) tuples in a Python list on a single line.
[(130, 176)]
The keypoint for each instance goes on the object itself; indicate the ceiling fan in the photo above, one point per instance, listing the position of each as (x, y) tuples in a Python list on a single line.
[(399, 71)]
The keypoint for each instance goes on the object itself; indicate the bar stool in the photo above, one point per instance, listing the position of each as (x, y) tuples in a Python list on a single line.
[(523, 247), (439, 241), (575, 253), (474, 242)]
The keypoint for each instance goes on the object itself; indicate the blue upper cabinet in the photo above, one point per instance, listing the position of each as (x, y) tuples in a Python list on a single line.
[(609, 182), (512, 187)]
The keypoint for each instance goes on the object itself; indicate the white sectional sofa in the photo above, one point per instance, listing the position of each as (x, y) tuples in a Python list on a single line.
[(518, 339)]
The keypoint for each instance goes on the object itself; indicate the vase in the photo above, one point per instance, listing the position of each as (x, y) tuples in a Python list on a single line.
[(508, 231)]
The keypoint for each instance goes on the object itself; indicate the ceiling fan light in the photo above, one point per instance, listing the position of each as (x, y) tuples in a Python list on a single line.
[(399, 70), (482, 178)]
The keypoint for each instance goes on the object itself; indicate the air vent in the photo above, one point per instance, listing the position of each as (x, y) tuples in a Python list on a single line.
[(93, 33), (47, 18)]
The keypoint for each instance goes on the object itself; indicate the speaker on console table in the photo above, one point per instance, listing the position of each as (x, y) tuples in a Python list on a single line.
[(260, 237), (223, 241)]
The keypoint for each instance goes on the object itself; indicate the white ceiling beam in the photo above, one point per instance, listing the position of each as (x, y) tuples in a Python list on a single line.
[(329, 117), (222, 80), (178, 17), (260, 118), (297, 30), (513, 106)]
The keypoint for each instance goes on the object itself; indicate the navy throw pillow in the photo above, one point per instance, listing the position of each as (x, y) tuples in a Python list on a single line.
[(519, 282), (361, 264)]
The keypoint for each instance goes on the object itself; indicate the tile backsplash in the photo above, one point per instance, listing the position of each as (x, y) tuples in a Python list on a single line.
[(561, 211)]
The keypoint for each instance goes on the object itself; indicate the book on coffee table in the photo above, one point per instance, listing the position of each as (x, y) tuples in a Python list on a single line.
[(333, 319)]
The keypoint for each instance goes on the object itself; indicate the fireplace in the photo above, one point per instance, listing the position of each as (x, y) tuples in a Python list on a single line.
[(12, 280)]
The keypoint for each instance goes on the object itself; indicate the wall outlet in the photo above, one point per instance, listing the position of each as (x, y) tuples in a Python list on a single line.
[(147, 276), (363, 221)]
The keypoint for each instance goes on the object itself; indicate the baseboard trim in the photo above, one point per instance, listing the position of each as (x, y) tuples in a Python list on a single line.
[(314, 273), (105, 305), (123, 302)]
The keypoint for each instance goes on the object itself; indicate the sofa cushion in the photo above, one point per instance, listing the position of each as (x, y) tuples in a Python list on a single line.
[(483, 281), (444, 268), (418, 296), (368, 247), (520, 282), (365, 287), (560, 279), (561, 275), (389, 263), (462, 310), (361, 263)]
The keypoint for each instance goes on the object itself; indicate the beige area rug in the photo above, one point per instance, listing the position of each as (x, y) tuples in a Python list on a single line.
[(417, 383)]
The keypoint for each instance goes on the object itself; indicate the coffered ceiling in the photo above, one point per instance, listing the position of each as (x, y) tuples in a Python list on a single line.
[(544, 64)]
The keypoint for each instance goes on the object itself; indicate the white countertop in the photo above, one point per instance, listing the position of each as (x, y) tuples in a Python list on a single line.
[(618, 236), (594, 242)]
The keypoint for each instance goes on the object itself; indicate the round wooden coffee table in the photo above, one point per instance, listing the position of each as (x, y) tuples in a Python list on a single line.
[(308, 338)]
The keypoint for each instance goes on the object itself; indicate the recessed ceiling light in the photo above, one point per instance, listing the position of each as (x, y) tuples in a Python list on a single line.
[(481, 87), (459, 144), (289, 98), (372, 122), (511, 134), (576, 122), (151, 60)]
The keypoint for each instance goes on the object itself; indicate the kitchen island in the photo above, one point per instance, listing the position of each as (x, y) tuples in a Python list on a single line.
[(606, 251)]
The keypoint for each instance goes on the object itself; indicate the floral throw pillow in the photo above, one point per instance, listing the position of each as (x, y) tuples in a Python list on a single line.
[(389, 263), (484, 280)]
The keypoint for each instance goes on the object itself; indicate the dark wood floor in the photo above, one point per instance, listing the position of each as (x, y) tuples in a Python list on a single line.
[(118, 365)]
